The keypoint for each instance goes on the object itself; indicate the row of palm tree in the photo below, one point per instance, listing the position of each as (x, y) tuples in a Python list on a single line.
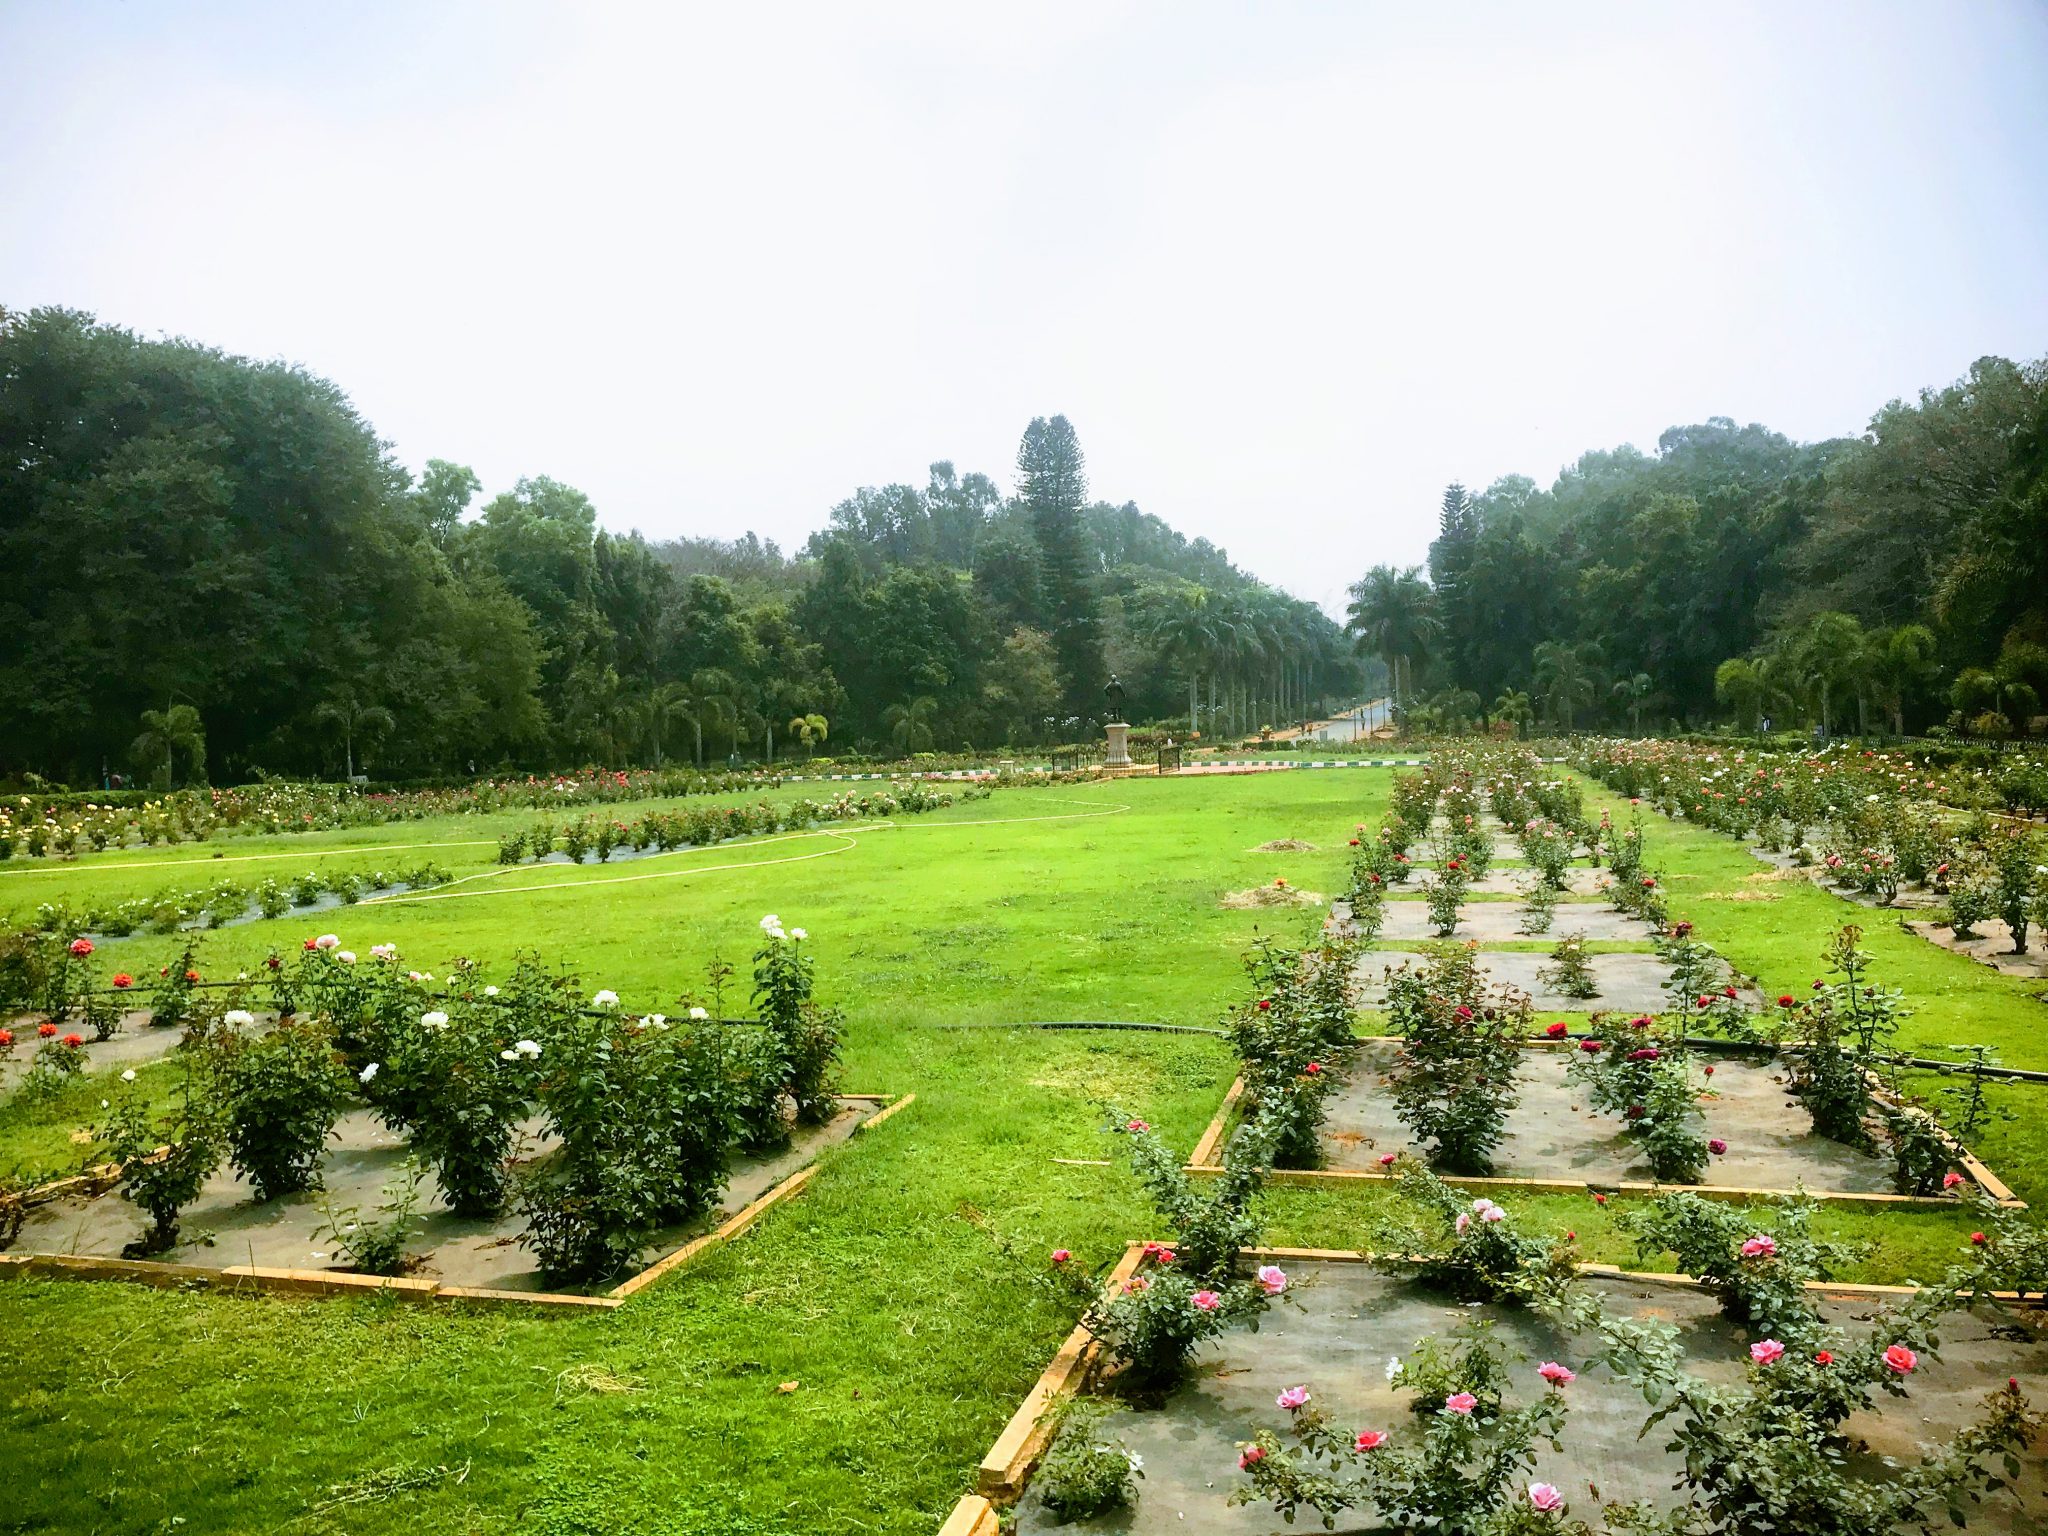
[(1393, 616), (1832, 661), (1262, 651)]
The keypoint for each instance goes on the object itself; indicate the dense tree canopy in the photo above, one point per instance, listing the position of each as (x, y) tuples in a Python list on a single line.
[(215, 567), (1850, 580)]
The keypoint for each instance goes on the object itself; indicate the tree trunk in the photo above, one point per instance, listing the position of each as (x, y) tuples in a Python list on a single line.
[(1192, 682), (348, 754)]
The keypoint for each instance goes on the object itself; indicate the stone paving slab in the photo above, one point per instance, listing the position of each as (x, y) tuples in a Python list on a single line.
[(362, 1158), (1491, 920), (1553, 1134), (1347, 1321), (1509, 880), (1631, 983)]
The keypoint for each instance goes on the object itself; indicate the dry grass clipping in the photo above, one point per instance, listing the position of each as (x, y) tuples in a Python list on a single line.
[(1286, 845), (1270, 896)]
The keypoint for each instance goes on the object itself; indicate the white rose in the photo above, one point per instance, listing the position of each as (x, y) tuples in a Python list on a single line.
[(367, 1073), (605, 999), (700, 1013), (435, 1019)]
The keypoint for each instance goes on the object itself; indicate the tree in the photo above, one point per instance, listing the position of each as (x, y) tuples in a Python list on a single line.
[(1631, 693), (1564, 680), (809, 730), (165, 733), (1052, 486), (1899, 664), (1515, 708), (1182, 620), (1023, 684), (910, 724), (1739, 685), (1393, 615), (351, 716), (1828, 658)]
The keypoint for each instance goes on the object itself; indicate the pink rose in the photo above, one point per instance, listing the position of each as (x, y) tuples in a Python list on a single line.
[(1544, 1497), (1250, 1457), (1762, 1246), (1951, 1179), (1370, 1439), (1272, 1279), (1137, 1127), (1461, 1402), (1292, 1398), (1901, 1359), (1717, 1146), (1387, 1159), (1764, 1351), (1557, 1375), (1061, 1255), (1205, 1301)]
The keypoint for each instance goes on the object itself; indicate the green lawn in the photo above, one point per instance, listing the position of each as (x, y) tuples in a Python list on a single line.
[(881, 1292)]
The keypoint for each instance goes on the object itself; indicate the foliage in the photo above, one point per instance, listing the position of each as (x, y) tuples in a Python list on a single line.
[(1082, 1474), (1756, 1266), (1570, 968), (280, 1094), (806, 1036), (165, 1159), (1471, 1249), (375, 1245), (1453, 1082), (1461, 1476)]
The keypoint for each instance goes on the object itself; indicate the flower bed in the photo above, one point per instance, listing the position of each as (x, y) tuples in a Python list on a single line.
[(231, 1237), (1330, 1351), (1555, 1138)]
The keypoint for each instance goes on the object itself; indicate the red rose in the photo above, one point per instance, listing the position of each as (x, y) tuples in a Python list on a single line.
[(1556, 1031), (1785, 1000), (191, 975), (81, 947), (1265, 1005), (73, 1041), (123, 980), (46, 1030)]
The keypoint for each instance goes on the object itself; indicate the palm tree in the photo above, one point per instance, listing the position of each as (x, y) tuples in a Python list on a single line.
[(1899, 663), (166, 732), (351, 717), (809, 729), (1739, 683), (1632, 693), (1392, 614), (1515, 708), (1182, 621), (1828, 657), (910, 724), (1564, 679)]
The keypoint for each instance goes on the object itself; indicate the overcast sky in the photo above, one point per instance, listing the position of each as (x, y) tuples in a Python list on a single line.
[(1287, 268)]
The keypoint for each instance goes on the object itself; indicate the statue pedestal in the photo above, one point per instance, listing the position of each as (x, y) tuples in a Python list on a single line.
[(1119, 746)]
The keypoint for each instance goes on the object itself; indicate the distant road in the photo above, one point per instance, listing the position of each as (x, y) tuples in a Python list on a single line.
[(1353, 725)]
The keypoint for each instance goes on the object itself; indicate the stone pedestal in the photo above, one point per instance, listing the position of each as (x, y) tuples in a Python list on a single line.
[(1119, 746)]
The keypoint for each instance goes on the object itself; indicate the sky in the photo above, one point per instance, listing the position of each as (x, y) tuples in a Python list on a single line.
[(1288, 268)]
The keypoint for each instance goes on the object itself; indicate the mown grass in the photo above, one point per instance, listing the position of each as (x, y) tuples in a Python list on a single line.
[(882, 1293)]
